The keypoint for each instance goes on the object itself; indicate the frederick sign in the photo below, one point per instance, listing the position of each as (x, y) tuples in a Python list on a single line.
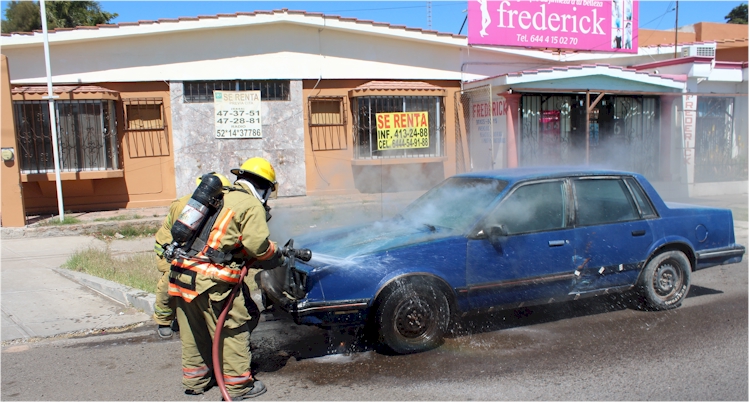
[(597, 25)]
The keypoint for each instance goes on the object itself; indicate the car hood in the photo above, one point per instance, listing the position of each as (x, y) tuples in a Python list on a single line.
[(360, 240)]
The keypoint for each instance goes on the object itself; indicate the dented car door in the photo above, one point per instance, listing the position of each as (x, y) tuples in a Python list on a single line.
[(612, 235)]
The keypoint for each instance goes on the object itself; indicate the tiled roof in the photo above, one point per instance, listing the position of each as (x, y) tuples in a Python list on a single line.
[(397, 85), (251, 14), (61, 89)]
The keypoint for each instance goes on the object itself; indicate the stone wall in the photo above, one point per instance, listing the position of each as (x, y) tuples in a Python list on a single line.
[(197, 151)]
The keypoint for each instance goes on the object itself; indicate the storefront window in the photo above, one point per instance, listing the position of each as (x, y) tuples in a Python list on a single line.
[(427, 124), (719, 155), (623, 131)]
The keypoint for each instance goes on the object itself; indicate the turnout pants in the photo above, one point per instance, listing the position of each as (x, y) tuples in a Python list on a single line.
[(164, 305), (197, 320)]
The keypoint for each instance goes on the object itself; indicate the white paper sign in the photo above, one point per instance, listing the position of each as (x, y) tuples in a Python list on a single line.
[(237, 114)]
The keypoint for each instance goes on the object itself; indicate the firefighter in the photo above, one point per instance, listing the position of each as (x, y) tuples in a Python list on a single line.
[(164, 304), (203, 282)]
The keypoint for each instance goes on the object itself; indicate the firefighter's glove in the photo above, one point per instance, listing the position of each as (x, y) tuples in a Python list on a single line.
[(278, 259)]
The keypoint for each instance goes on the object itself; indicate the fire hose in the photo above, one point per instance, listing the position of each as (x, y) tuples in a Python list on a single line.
[(291, 255)]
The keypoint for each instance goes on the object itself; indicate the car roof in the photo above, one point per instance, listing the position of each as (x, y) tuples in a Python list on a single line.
[(526, 173)]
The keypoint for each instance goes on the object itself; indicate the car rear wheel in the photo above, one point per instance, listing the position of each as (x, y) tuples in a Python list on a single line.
[(665, 281), (412, 317)]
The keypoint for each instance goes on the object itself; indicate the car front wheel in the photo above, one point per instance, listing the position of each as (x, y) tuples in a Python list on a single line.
[(412, 317), (665, 281)]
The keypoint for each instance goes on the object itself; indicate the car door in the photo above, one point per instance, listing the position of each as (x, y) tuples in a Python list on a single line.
[(613, 234), (524, 251)]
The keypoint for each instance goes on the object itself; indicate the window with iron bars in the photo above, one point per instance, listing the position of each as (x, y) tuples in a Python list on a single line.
[(327, 123), (87, 136), (145, 127), (365, 125), (203, 91)]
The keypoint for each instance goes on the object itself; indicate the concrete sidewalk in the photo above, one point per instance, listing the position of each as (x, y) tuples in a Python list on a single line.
[(40, 300)]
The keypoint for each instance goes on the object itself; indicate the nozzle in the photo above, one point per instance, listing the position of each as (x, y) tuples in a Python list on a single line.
[(303, 254)]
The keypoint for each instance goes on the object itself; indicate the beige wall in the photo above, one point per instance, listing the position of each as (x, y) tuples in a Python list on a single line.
[(146, 177), (12, 212), (335, 172)]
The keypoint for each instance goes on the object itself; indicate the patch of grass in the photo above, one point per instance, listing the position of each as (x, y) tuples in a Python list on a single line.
[(131, 231), (133, 270), (67, 220), (120, 218)]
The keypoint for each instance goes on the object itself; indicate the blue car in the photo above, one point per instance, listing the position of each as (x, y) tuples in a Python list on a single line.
[(500, 240)]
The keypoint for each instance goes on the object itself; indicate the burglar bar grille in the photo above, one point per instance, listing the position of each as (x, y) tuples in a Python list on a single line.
[(327, 123), (145, 129), (203, 91), (87, 136), (365, 125)]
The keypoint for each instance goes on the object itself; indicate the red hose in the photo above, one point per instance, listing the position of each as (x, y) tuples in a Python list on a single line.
[(218, 367)]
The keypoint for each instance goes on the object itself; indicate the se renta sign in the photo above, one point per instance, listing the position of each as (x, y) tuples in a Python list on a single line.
[(595, 25), (400, 130)]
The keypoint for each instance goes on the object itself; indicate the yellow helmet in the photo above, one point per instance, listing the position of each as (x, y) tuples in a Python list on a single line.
[(259, 167), (224, 180)]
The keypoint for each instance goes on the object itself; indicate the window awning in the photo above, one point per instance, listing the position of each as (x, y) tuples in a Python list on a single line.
[(597, 78), (390, 88), (64, 92)]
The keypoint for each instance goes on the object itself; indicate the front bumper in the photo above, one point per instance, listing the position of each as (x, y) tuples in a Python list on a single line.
[(306, 311)]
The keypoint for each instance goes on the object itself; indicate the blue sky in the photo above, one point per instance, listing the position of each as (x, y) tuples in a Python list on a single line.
[(446, 16)]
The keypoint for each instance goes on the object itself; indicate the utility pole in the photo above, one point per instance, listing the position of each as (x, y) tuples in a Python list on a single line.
[(676, 17), (429, 15), (52, 115)]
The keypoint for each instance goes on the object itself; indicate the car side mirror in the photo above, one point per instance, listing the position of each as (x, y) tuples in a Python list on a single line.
[(496, 233)]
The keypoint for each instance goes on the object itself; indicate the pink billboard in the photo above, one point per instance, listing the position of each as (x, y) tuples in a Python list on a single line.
[(597, 25)]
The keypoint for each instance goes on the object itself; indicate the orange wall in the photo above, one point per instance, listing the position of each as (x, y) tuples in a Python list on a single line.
[(712, 31), (12, 211), (648, 37), (332, 171), (146, 178), (738, 54)]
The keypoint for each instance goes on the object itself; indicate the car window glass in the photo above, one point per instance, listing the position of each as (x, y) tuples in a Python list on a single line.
[(641, 199), (531, 208), (601, 201), (456, 203)]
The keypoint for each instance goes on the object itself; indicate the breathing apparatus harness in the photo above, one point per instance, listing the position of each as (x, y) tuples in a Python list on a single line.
[(191, 230)]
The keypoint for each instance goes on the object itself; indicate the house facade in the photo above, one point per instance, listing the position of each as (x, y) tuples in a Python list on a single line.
[(137, 108)]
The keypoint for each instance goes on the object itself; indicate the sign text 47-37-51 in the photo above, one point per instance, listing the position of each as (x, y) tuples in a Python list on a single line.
[(237, 114)]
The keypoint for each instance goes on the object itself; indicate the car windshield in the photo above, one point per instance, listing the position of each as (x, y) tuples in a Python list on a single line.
[(456, 203)]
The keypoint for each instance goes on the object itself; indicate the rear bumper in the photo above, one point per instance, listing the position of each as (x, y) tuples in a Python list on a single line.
[(307, 312), (719, 256)]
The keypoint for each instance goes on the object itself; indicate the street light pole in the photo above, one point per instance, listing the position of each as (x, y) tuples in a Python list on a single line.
[(52, 115)]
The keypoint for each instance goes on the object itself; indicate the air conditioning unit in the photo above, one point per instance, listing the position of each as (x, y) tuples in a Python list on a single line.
[(699, 50)]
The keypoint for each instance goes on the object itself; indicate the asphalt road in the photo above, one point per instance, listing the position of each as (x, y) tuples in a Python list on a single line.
[(586, 350)]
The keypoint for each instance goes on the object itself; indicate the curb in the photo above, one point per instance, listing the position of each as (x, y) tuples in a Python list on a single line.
[(134, 297), (129, 296)]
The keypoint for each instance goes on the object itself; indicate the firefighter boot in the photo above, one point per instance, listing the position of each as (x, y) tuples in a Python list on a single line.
[(258, 389), (164, 331)]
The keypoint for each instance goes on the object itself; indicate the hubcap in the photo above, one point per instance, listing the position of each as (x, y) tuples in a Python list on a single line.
[(413, 318), (667, 280)]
